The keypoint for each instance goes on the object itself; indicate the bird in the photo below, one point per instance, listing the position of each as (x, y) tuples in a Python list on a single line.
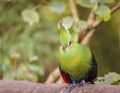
[(77, 64)]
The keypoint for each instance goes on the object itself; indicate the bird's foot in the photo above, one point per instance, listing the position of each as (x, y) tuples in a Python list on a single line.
[(82, 83), (71, 86)]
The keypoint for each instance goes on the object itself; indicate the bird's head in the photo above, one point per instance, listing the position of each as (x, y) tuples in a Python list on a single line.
[(63, 47)]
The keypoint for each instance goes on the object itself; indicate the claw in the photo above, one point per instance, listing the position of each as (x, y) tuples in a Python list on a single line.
[(82, 83), (74, 84), (70, 87)]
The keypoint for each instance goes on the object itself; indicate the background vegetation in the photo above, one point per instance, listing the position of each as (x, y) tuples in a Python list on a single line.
[(29, 36)]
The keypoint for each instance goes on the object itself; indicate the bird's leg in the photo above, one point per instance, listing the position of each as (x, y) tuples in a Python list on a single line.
[(74, 84), (82, 83), (70, 87)]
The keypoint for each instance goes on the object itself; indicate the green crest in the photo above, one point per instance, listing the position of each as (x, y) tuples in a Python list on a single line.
[(65, 35)]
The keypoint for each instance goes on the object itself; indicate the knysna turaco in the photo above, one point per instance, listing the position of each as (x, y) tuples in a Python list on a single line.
[(76, 61)]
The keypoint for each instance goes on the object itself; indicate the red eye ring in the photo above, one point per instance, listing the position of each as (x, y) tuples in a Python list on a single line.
[(69, 43), (62, 47)]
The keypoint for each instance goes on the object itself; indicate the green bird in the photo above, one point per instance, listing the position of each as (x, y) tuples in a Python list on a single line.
[(77, 63)]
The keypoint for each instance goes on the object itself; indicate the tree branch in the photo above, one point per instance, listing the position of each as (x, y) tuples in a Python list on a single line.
[(87, 37), (115, 8), (95, 25), (29, 87), (74, 10), (91, 17), (53, 76)]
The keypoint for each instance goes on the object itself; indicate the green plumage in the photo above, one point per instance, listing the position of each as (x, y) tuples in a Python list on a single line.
[(65, 35), (76, 60)]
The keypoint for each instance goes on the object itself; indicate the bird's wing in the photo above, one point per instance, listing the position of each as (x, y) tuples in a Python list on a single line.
[(65, 76), (92, 74)]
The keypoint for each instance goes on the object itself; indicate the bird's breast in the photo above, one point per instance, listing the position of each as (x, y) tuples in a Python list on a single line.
[(76, 69)]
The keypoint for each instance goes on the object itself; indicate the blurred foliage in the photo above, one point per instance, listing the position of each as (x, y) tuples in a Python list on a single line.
[(110, 78), (30, 16), (88, 3), (103, 12), (26, 47), (29, 37)]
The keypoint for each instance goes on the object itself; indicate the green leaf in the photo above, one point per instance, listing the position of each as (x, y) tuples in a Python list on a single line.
[(83, 24), (103, 13), (36, 69), (30, 16), (88, 3), (109, 1), (58, 6), (80, 25), (65, 35), (68, 22), (110, 78)]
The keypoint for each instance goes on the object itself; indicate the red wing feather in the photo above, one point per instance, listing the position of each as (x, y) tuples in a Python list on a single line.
[(65, 76)]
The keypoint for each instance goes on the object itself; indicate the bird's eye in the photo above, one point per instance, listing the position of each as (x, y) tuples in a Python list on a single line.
[(69, 43)]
